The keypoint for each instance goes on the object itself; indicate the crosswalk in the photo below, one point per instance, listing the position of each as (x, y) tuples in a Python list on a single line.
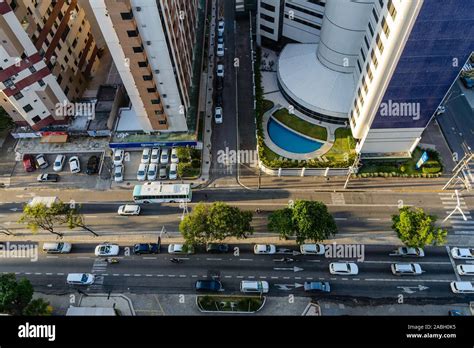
[(458, 224), (98, 268)]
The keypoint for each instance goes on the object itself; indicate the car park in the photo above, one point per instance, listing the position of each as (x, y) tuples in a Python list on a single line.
[(57, 248), (118, 157), (163, 175), (48, 178), (220, 70), (312, 249), (155, 156), (179, 249), (146, 154), (208, 285), (465, 269), (406, 269), (410, 252), (217, 248), (462, 287), (254, 286), (146, 248), (29, 163), (142, 170), (317, 287), (174, 155), (343, 268), (173, 174), (80, 279), (41, 162), (59, 163), (218, 115), (462, 253), (129, 210), (118, 173), (165, 156), (152, 172), (220, 50), (262, 249), (74, 165), (107, 249), (92, 165)]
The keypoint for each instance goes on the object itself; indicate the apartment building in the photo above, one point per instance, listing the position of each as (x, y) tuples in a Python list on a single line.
[(47, 55), (152, 44)]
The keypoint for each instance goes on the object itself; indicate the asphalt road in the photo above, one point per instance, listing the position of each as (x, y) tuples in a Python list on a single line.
[(142, 274)]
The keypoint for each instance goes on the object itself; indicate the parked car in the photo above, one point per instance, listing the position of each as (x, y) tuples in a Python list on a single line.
[(220, 26), (107, 249), (155, 156), (343, 268), (92, 165), (317, 287), (142, 170), (57, 248), (129, 210), (80, 279), (410, 252), (146, 248), (152, 172), (220, 50), (74, 165), (218, 115), (41, 162), (146, 154), (264, 249), (220, 39), (312, 249), (163, 175), (174, 155), (165, 156), (465, 269), (48, 178), (217, 248), (208, 285), (118, 173), (173, 174), (254, 286), (118, 157), (462, 253), (59, 163), (179, 249), (29, 163), (219, 83), (406, 269), (462, 287), (220, 70)]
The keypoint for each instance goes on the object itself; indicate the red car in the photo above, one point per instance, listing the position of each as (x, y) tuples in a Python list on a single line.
[(29, 163)]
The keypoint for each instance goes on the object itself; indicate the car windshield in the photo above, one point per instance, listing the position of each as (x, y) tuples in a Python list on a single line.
[(84, 278), (105, 249)]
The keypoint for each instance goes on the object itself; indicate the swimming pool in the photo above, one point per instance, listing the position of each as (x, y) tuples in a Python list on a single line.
[(289, 140)]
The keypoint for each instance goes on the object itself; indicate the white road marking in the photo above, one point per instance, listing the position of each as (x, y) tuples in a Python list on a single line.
[(239, 277), (182, 275), (195, 276), (263, 277), (148, 275), (420, 262), (408, 280), (137, 275), (171, 275), (52, 257), (245, 259), (340, 219), (37, 273), (115, 274), (49, 273), (60, 274), (127, 275), (225, 276), (274, 277), (160, 275), (149, 258), (286, 277)]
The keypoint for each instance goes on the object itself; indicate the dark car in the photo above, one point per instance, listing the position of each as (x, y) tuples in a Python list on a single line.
[(217, 248), (92, 165), (146, 248), (29, 163), (220, 83), (317, 287), (208, 285), (48, 178)]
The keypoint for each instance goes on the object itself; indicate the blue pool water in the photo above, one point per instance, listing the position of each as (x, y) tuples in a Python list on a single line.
[(290, 141)]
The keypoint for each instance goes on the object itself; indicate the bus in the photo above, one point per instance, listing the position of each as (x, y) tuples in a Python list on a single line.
[(157, 192)]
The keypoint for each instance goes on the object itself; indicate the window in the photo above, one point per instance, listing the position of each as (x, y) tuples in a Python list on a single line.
[(147, 77), (59, 79), (366, 42), (301, 9), (375, 15), (301, 21), (32, 69), (267, 7), (381, 3), (151, 90), (138, 49), (385, 27), (27, 108), (41, 83), (363, 55), (8, 83), (267, 29), (132, 33), (392, 10), (156, 101), (267, 18), (18, 96), (358, 65), (126, 15), (66, 91), (374, 59), (371, 30), (143, 64), (369, 72), (364, 84), (379, 44), (36, 119)]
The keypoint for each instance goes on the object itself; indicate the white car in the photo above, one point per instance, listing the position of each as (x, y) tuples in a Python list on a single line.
[(118, 173), (220, 70), (410, 252), (129, 210), (107, 250), (264, 249), (220, 50), (165, 156), (220, 27), (406, 269), (465, 269), (343, 268), (254, 286), (118, 157), (141, 173), (152, 172), (218, 117), (59, 163), (146, 156), (174, 155), (462, 253), (179, 249), (155, 156), (462, 287), (312, 249), (80, 279), (42, 162), (173, 175), (74, 165)]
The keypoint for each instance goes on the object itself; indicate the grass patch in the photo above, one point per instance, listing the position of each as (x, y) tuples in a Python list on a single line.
[(344, 146), (301, 126), (230, 304)]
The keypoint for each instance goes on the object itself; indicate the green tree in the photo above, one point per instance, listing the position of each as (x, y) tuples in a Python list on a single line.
[(72, 217), (194, 226), (38, 307), (14, 296), (281, 221), (415, 228), (312, 221)]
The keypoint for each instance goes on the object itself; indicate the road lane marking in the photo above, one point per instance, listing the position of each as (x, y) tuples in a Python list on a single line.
[(420, 262), (37, 273), (373, 219), (344, 278), (160, 275), (52, 257), (275, 277), (263, 277), (182, 275), (408, 280), (245, 259), (148, 275), (195, 276), (149, 258), (115, 274), (340, 219), (297, 277), (49, 273), (286, 277), (309, 278), (127, 275), (83, 257), (224, 277), (137, 275), (251, 277), (171, 275), (213, 259)]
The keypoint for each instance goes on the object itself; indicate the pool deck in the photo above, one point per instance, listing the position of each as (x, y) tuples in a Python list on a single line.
[(291, 155)]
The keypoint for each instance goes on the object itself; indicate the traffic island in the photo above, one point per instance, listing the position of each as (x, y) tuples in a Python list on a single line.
[(230, 304)]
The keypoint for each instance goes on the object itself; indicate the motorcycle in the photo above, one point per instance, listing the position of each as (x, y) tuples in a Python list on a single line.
[(113, 260), (175, 260)]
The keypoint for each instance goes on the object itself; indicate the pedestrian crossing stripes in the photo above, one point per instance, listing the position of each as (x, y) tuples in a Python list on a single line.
[(98, 269), (459, 225)]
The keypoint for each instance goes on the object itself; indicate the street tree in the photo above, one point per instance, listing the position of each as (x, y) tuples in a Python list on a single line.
[(415, 228), (281, 221), (194, 226), (38, 307), (73, 218), (16, 297)]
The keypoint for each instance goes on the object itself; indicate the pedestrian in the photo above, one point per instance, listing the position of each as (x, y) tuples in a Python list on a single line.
[(205, 196)]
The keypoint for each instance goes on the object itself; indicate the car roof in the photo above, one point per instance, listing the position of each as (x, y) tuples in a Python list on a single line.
[(464, 285), (464, 251), (469, 268), (340, 266)]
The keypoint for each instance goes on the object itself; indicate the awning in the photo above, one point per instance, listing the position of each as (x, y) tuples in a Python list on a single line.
[(54, 139)]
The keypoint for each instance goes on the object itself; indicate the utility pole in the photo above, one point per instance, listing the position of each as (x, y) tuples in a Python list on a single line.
[(352, 170), (457, 171)]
